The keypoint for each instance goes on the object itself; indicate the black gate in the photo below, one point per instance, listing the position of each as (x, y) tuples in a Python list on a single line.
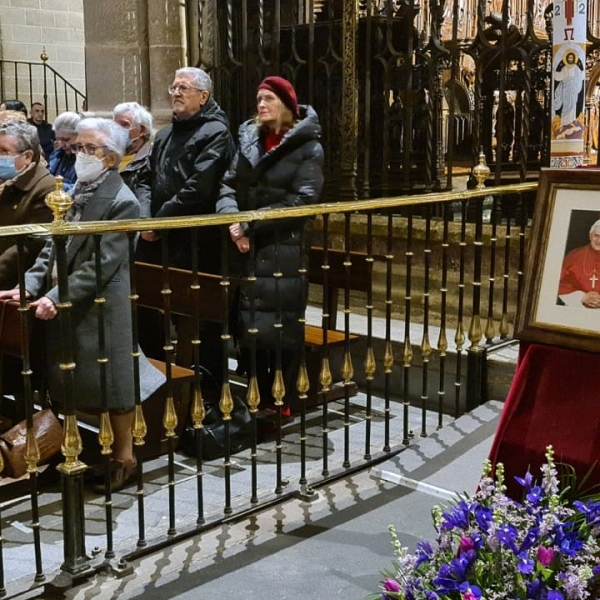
[(407, 93)]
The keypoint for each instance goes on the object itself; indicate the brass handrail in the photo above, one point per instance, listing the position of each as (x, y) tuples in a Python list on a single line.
[(128, 225)]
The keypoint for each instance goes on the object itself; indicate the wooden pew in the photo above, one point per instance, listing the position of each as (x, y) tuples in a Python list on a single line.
[(148, 284)]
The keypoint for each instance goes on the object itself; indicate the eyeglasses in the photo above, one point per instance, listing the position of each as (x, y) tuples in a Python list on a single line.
[(86, 148), (182, 89)]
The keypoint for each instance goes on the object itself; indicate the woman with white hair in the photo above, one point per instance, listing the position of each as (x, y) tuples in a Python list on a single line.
[(137, 122), (99, 195), (62, 160)]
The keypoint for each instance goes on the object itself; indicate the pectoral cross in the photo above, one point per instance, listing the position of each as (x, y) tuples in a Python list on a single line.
[(593, 279)]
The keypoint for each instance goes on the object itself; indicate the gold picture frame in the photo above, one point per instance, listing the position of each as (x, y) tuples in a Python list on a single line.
[(566, 207)]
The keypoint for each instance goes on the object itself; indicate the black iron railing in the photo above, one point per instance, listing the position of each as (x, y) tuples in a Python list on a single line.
[(39, 82), (408, 356)]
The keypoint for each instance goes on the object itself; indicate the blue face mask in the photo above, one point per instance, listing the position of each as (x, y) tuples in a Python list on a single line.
[(7, 167)]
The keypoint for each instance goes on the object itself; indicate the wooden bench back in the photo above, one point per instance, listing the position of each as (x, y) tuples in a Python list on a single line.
[(357, 277), (182, 297), (183, 301)]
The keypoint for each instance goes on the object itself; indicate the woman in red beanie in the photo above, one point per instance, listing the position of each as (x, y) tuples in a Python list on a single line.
[(279, 163)]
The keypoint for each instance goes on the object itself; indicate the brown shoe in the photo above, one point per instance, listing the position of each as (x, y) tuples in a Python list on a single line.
[(121, 476)]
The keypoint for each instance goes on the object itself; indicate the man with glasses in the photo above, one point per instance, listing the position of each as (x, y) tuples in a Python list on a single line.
[(62, 160), (24, 184), (188, 158)]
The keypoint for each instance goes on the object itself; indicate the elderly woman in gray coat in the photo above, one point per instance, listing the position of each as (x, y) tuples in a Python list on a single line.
[(99, 195)]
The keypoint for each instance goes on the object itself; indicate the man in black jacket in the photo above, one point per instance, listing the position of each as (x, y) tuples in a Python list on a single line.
[(188, 158), (45, 131)]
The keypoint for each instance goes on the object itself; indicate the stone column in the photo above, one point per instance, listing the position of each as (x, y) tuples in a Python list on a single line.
[(133, 48)]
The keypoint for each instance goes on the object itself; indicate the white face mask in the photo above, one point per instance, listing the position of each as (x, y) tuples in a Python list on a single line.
[(88, 167)]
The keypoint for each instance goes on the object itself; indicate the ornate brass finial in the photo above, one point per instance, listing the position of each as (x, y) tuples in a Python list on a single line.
[(71, 447), (44, 55), (59, 202), (481, 171), (170, 419)]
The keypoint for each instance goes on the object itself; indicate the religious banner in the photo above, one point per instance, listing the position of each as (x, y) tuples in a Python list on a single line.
[(568, 83)]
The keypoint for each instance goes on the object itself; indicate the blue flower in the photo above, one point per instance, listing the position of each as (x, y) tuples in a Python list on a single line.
[(531, 539), (507, 534), (535, 494), (424, 552), (534, 589), (458, 517), (525, 563), (555, 595), (483, 517)]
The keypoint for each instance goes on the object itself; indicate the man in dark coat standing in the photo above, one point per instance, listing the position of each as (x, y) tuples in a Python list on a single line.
[(188, 158)]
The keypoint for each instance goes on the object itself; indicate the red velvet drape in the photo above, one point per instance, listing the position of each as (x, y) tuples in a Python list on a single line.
[(554, 399)]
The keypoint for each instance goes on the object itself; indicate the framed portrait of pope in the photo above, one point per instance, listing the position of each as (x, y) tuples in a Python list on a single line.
[(561, 295)]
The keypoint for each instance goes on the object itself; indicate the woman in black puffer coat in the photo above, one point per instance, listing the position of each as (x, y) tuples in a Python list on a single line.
[(279, 163)]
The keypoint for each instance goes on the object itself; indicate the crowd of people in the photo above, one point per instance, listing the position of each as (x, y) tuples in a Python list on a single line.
[(118, 169)]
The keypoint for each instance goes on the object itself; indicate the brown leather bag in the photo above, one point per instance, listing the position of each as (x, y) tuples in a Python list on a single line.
[(48, 433)]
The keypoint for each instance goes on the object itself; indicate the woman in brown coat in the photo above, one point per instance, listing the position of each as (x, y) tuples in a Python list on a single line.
[(24, 184)]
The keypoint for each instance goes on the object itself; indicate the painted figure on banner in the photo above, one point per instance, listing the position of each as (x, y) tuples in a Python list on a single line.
[(580, 273), (569, 75)]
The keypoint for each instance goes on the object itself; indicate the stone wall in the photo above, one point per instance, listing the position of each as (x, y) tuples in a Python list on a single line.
[(27, 27)]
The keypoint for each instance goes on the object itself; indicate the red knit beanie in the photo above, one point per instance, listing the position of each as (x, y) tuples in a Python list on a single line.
[(283, 89)]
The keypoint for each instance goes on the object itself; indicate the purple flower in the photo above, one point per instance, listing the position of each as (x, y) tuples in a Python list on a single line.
[(545, 555), (391, 585), (470, 592), (555, 595), (466, 543), (526, 481)]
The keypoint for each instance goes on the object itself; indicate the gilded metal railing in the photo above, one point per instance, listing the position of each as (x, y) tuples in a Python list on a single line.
[(423, 278)]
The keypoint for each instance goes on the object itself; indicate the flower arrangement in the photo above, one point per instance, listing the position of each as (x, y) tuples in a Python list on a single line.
[(490, 547)]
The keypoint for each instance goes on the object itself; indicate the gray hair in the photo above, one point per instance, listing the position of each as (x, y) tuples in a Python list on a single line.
[(26, 136), (67, 121), (114, 137), (139, 115), (595, 226), (200, 78)]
